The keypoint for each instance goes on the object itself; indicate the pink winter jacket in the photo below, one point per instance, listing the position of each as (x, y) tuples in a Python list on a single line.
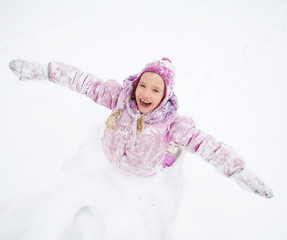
[(143, 154)]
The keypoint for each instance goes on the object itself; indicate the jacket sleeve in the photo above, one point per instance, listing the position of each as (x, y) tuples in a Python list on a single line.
[(103, 93), (221, 156)]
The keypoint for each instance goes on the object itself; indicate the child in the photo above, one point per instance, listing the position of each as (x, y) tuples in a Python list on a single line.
[(144, 131)]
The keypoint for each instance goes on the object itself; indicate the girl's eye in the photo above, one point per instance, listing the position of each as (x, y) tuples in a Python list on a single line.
[(156, 91), (141, 85)]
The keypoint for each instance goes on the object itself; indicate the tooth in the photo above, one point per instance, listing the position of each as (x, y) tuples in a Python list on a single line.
[(144, 101)]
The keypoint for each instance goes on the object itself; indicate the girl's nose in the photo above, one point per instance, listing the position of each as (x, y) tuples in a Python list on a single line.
[(145, 93)]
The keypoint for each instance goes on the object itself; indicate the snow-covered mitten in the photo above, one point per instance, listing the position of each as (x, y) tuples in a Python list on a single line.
[(248, 180), (168, 160), (28, 70), (172, 154)]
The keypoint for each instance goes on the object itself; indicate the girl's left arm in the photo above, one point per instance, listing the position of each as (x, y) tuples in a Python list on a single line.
[(105, 93), (220, 155)]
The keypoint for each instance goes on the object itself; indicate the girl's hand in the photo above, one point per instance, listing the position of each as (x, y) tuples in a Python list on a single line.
[(27, 70), (247, 180)]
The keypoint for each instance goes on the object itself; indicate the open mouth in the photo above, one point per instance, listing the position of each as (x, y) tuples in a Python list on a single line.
[(144, 103)]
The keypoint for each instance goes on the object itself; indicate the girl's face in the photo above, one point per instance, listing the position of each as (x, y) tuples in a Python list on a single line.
[(149, 92)]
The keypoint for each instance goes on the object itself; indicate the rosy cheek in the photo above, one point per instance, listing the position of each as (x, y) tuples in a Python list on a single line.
[(136, 94)]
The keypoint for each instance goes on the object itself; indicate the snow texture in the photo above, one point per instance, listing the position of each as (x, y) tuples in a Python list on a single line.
[(55, 182)]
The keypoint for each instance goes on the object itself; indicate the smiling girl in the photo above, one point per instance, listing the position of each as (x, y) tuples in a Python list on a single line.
[(149, 92), (144, 125)]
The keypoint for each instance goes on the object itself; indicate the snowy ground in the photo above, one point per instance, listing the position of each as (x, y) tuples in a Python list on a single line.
[(231, 59)]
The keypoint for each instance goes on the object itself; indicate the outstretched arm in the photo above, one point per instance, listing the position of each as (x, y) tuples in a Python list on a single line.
[(104, 93), (220, 155)]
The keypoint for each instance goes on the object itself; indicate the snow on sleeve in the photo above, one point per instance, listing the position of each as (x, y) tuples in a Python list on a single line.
[(220, 155), (103, 93)]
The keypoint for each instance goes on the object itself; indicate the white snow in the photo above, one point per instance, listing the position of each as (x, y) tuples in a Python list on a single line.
[(231, 59)]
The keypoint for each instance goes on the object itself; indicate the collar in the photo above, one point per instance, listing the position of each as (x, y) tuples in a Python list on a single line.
[(158, 115)]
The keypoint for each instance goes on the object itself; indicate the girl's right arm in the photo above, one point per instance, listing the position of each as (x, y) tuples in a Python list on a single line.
[(104, 93), (183, 132)]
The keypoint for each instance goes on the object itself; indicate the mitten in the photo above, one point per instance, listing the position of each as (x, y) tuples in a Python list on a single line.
[(27, 70), (247, 180), (172, 154)]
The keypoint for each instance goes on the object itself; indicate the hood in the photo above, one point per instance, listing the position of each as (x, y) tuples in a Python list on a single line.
[(168, 106)]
